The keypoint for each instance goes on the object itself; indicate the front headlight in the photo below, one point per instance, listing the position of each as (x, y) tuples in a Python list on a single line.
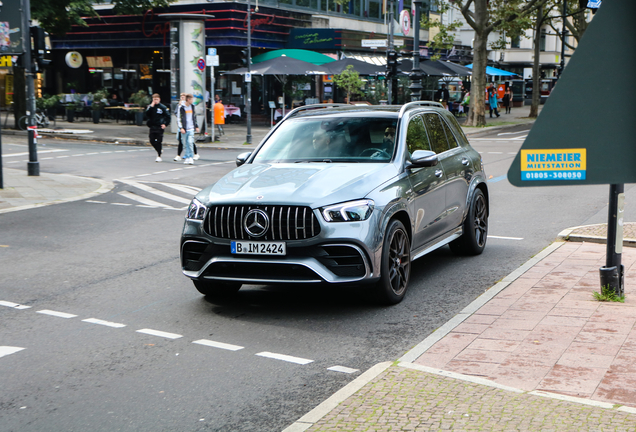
[(353, 211), (196, 210)]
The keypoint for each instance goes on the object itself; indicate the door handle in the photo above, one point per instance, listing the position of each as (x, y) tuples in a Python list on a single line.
[(465, 161), (439, 173)]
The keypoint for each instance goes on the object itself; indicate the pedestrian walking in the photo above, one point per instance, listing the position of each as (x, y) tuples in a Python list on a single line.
[(442, 95), (180, 137), (492, 101), (219, 117), (187, 122), (507, 100), (158, 119)]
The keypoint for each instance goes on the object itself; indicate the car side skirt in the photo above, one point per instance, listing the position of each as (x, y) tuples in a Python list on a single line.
[(437, 243)]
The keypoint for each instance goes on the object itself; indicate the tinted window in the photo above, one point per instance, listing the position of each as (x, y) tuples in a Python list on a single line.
[(416, 138), (452, 142), (436, 133)]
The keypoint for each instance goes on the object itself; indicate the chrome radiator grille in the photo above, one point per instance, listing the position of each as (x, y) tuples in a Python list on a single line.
[(285, 222)]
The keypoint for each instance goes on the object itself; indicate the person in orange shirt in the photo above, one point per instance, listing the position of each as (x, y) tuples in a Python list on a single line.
[(219, 116)]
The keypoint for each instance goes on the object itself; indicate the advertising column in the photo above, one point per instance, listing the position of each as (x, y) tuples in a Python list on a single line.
[(192, 64)]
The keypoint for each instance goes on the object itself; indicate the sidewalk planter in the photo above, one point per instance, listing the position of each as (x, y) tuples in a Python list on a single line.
[(96, 115), (70, 114)]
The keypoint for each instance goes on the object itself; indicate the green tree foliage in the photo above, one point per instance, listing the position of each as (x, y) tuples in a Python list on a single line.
[(486, 16), (444, 37), (57, 16), (349, 80)]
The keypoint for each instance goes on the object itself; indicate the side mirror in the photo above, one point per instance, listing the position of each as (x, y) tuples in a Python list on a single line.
[(422, 159), (240, 159)]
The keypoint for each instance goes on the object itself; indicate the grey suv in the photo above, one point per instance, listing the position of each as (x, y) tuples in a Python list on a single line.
[(340, 195)]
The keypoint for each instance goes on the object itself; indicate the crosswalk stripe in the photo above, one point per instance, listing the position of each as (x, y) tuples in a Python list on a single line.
[(150, 189), (180, 188), (142, 200)]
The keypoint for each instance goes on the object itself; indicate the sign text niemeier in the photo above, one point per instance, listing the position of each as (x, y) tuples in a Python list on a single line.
[(553, 164)]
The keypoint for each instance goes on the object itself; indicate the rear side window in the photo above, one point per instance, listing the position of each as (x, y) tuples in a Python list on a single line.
[(455, 127), (416, 137), (452, 142), (436, 133)]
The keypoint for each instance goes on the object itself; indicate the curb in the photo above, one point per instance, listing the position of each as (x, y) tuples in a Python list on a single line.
[(566, 235), (105, 186)]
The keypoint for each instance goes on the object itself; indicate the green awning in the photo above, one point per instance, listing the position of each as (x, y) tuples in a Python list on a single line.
[(299, 54)]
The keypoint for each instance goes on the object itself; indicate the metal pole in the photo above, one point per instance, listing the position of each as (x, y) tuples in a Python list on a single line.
[(248, 103), (612, 273), (33, 166), (564, 32), (416, 73), (389, 48)]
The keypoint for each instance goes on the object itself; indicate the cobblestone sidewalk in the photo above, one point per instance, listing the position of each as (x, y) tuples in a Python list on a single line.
[(402, 399)]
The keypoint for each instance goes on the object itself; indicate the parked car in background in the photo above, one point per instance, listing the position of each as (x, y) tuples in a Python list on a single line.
[(340, 195)]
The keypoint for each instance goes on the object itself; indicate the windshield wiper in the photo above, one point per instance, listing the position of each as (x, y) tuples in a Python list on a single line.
[(314, 160)]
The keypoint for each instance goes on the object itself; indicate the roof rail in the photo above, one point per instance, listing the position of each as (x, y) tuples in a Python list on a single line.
[(314, 106), (417, 104)]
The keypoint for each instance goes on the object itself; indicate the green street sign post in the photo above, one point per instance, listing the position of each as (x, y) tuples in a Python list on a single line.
[(586, 131)]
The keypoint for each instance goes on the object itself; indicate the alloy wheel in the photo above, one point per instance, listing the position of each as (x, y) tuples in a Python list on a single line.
[(399, 262)]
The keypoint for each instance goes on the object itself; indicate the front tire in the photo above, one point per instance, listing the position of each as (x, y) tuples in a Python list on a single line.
[(396, 265), (473, 240), (216, 289)]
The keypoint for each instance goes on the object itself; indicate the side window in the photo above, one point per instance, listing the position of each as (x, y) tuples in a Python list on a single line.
[(452, 142), (416, 138), (436, 133)]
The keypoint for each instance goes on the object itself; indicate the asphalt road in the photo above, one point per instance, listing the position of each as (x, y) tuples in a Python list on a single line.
[(114, 260)]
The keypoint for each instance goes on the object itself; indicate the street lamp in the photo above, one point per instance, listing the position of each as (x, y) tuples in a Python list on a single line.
[(248, 102), (416, 73)]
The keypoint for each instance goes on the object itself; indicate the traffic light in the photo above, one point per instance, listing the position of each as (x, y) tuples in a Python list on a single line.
[(39, 46), (243, 57), (392, 62)]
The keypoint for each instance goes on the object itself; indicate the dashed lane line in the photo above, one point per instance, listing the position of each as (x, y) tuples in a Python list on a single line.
[(55, 313), (343, 369), (220, 345), (27, 153), (13, 305), (160, 333), (283, 357), (6, 350), (104, 323)]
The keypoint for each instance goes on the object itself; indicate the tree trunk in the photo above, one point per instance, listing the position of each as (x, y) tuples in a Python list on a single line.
[(536, 71), (477, 111)]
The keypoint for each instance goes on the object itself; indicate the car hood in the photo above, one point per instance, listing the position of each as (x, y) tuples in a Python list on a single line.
[(310, 184)]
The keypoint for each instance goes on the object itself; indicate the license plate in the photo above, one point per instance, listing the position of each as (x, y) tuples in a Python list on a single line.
[(258, 248)]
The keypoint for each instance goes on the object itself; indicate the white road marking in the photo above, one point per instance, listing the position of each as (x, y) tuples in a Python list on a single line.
[(61, 157), (141, 199), (6, 350), (158, 192), (512, 133), (13, 305), (181, 188), (342, 369), (160, 333), (81, 154), (57, 314), (88, 154), (142, 175), (104, 323), (284, 357), (97, 202), (520, 138), (121, 204), (27, 153), (495, 152), (218, 345), (46, 158), (106, 152), (505, 238)]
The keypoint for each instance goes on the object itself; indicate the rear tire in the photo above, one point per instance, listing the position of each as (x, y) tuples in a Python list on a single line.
[(473, 240), (396, 265), (217, 289), (22, 122)]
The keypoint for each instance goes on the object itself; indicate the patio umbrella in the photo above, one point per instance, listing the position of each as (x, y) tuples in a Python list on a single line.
[(282, 66), (362, 67), (428, 67), (298, 54), (494, 71)]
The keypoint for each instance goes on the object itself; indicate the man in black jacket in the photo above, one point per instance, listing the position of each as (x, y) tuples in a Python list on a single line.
[(158, 119)]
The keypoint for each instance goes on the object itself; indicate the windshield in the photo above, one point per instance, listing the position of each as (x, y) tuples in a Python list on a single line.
[(331, 140)]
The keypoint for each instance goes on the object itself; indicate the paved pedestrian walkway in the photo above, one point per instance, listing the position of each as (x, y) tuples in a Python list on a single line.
[(535, 352)]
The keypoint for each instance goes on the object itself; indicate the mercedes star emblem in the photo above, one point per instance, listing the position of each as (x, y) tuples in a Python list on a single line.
[(256, 223)]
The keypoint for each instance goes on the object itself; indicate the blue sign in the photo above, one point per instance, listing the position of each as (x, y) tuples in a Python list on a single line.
[(594, 4), (211, 51)]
